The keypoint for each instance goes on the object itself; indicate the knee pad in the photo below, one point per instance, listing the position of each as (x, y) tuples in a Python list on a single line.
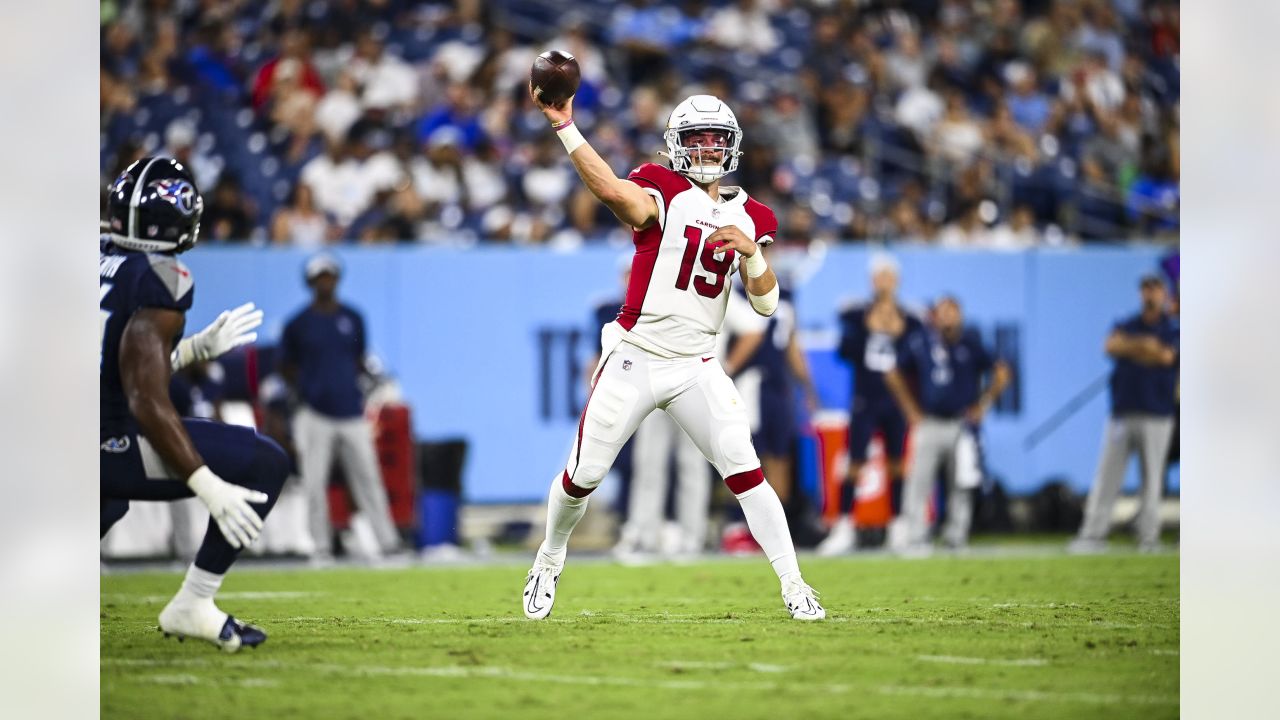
[(737, 450), (589, 477)]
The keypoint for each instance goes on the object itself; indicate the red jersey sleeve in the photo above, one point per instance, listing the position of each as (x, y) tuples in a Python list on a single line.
[(765, 221), (666, 181)]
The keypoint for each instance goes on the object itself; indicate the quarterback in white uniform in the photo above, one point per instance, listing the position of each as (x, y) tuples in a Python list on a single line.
[(691, 235)]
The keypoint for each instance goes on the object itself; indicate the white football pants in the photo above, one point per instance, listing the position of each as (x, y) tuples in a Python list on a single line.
[(630, 383)]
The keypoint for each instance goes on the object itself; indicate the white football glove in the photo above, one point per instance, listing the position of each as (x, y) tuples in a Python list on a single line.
[(229, 506), (230, 330)]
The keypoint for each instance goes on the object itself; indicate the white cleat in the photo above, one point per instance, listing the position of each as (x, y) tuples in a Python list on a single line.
[(802, 601), (204, 621), (540, 590), (842, 539)]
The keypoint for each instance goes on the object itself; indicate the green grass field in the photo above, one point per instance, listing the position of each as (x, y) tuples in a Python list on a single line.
[(1016, 635)]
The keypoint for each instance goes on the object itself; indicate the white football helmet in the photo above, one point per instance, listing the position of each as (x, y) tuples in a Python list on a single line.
[(700, 114)]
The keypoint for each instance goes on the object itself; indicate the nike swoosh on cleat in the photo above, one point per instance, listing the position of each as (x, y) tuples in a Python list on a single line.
[(533, 594), (713, 357)]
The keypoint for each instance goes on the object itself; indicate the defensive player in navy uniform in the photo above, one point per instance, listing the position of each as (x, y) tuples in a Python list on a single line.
[(871, 338), (950, 364), (147, 451), (773, 367)]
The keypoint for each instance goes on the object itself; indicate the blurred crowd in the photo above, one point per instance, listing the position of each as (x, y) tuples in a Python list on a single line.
[(990, 123)]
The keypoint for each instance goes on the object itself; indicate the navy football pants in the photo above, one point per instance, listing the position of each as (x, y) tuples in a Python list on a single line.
[(236, 454)]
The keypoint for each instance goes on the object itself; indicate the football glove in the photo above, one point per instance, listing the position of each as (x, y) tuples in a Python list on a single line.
[(229, 506), (230, 330)]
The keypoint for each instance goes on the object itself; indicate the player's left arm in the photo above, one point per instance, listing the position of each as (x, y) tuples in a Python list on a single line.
[(761, 283)]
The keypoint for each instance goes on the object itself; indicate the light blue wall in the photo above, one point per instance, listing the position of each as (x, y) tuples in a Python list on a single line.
[(459, 329)]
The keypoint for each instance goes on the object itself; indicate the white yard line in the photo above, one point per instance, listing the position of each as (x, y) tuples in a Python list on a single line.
[(966, 693), (1007, 662), (244, 595), (705, 665), (500, 673)]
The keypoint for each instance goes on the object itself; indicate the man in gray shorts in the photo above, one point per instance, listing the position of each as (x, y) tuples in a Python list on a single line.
[(1144, 391), (949, 363)]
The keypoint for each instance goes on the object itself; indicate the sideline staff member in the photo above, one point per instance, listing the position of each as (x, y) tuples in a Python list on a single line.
[(324, 347), (1144, 391)]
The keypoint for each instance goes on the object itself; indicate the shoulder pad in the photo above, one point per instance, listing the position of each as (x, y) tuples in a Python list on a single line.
[(666, 181), (762, 217), (175, 276)]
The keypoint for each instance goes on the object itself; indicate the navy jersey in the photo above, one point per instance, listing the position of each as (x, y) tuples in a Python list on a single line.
[(872, 354), (127, 282), (328, 351), (771, 357), (1141, 388), (604, 313), (949, 375)]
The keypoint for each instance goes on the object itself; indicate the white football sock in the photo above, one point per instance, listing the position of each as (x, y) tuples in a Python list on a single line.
[(563, 513), (199, 585), (768, 525)]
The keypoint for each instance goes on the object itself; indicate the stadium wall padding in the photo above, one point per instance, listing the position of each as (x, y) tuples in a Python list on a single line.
[(491, 343)]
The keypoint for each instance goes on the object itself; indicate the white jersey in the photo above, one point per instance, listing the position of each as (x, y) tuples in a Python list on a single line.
[(675, 302)]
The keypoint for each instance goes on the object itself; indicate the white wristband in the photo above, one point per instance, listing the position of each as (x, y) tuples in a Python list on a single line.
[(571, 136), (184, 354), (202, 479), (755, 264)]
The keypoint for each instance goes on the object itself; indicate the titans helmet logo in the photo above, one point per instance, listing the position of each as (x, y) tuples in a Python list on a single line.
[(178, 193)]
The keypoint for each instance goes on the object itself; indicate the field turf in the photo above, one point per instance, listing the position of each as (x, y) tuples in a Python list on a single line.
[(992, 635)]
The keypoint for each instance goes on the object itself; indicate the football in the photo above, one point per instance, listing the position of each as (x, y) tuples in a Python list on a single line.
[(555, 77)]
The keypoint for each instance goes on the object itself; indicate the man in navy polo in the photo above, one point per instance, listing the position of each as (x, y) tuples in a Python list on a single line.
[(1144, 396), (323, 357), (951, 364)]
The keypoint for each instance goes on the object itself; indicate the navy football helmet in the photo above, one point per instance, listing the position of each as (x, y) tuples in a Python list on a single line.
[(154, 206)]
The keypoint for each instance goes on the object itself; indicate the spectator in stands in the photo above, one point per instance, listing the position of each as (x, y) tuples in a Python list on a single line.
[(951, 365), (1153, 201), (457, 112), (349, 176), (339, 109), (180, 143), (323, 348), (743, 26), (214, 58), (957, 137), (906, 64), (1144, 381), (647, 33), (437, 173), (300, 223), (791, 125), (294, 60), (228, 215), (1029, 105), (1018, 232), (387, 83), (969, 229)]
